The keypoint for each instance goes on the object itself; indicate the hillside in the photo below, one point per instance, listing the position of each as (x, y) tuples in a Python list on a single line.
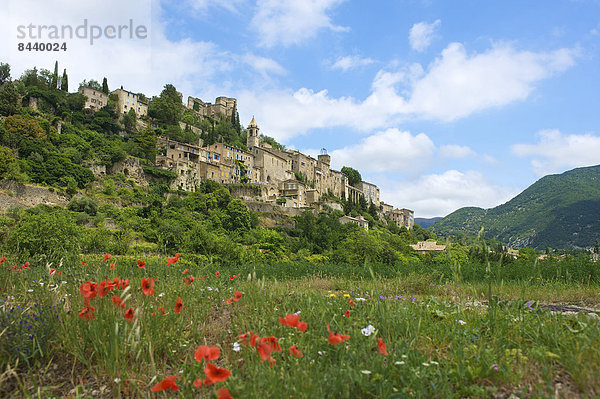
[(426, 222), (557, 211)]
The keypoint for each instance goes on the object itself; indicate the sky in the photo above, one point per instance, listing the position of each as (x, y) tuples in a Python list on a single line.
[(441, 104)]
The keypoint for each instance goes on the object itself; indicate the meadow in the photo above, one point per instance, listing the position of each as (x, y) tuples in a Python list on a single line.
[(123, 326)]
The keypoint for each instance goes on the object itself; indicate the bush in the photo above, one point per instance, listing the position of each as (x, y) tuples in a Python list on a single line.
[(83, 204)]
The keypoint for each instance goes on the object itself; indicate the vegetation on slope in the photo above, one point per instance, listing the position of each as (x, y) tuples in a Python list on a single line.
[(557, 211)]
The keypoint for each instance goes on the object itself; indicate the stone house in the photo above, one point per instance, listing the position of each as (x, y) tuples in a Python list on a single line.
[(96, 99), (423, 247), (127, 101), (402, 217), (370, 192), (360, 221), (223, 107)]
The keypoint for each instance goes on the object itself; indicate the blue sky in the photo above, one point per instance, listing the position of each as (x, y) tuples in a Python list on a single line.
[(441, 104)]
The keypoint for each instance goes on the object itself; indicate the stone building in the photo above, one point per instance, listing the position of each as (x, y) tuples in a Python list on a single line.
[(127, 101), (96, 99), (360, 221), (223, 107), (370, 192), (402, 217), (294, 191), (423, 247)]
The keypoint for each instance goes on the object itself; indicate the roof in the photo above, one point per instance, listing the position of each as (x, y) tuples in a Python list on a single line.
[(253, 123)]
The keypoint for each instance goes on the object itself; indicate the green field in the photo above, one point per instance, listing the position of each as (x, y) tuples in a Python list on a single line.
[(470, 331)]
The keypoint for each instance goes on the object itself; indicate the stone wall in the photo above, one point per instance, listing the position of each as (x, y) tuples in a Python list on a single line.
[(132, 168), (20, 195)]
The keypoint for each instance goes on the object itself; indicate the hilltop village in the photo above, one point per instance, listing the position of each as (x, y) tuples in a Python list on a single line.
[(286, 178)]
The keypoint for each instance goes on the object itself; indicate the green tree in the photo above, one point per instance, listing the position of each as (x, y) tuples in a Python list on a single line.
[(352, 174), (4, 73), (146, 142), (167, 108), (65, 82), (54, 81), (18, 128), (105, 86), (9, 167), (9, 99), (239, 216), (91, 83), (129, 119)]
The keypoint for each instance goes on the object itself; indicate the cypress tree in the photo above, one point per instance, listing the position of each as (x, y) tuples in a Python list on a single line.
[(54, 83), (105, 86), (65, 81)]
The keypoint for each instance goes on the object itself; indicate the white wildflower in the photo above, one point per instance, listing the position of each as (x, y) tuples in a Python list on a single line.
[(237, 347), (399, 362), (359, 299), (365, 372), (368, 330), (462, 322), (117, 380)]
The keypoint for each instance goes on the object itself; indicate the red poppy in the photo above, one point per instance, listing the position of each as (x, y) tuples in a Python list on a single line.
[(351, 302), (88, 290), (251, 335), (207, 353), (124, 283), (84, 263), (86, 313), (185, 271), (295, 351), (52, 272), (104, 287), (178, 305), (167, 383), (290, 320), (25, 265), (197, 382), (112, 266), (232, 278), (129, 314), (216, 374), (148, 286), (293, 320), (2, 259), (206, 276), (223, 393), (237, 295), (118, 302), (347, 313), (173, 259), (335, 338), (229, 301), (141, 264), (382, 347), (107, 257), (266, 345), (217, 274)]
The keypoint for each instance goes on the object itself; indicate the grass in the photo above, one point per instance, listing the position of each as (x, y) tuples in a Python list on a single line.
[(441, 340)]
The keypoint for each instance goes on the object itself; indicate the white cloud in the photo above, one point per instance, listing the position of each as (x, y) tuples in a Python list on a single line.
[(391, 150), (290, 22), (204, 5), (440, 194), (556, 152), (455, 151), (264, 66), (351, 62), (422, 34), (457, 84), (453, 86)]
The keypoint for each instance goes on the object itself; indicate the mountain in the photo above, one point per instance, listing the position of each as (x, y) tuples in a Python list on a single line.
[(426, 222), (557, 211)]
